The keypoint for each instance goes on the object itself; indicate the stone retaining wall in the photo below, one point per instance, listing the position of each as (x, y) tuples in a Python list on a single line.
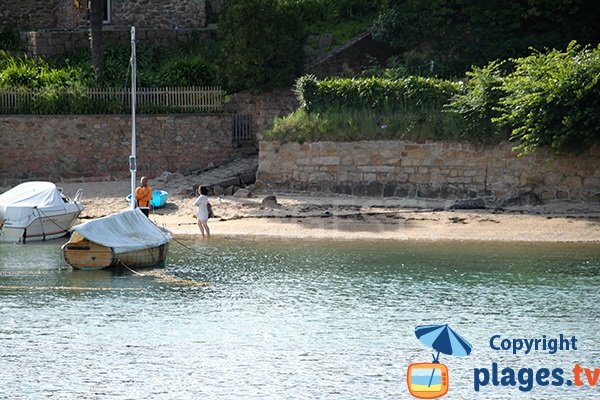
[(429, 170), (53, 147), (74, 146)]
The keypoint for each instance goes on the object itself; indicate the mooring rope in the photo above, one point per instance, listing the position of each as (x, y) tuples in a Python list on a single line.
[(127, 267), (187, 247), (167, 278)]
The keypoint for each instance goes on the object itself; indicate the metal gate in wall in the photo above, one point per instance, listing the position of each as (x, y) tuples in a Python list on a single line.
[(242, 129)]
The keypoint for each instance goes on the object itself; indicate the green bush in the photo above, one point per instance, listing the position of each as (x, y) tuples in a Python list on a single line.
[(342, 19), (371, 108), (117, 69), (367, 124), (327, 10), (57, 100), (299, 126), (261, 43), (188, 70), (25, 72), (10, 40), (190, 64), (456, 34), (478, 100), (553, 100), (61, 87), (412, 92)]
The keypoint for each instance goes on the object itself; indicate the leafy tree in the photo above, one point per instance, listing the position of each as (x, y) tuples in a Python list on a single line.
[(261, 44), (458, 33), (552, 100), (479, 98)]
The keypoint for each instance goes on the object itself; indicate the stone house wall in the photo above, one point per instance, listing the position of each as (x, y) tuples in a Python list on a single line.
[(57, 43), (159, 14), (428, 170), (28, 14), (60, 15), (55, 27)]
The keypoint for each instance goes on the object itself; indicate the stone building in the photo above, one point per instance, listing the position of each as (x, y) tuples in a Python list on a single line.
[(55, 27)]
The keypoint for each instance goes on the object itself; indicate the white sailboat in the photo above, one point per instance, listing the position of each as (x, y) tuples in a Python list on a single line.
[(126, 238)]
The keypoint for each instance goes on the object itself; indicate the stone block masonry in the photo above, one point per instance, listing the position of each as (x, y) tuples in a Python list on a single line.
[(59, 43), (93, 146), (429, 170), (55, 28), (54, 147), (62, 15)]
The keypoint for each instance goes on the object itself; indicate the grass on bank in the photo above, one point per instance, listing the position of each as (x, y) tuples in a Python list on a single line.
[(366, 124), (548, 99)]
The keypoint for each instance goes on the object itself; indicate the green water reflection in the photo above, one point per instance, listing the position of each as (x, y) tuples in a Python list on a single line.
[(287, 319)]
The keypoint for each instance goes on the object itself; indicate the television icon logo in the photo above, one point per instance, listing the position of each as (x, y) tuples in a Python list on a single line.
[(427, 380), (430, 380)]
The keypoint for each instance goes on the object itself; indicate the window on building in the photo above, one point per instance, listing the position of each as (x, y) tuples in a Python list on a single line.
[(106, 12)]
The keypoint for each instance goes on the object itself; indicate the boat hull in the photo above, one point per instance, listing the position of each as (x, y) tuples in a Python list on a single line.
[(42, 228), (83, 254), (153, 257)]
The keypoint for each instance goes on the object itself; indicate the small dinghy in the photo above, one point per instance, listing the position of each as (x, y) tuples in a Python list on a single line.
[(127, 238)]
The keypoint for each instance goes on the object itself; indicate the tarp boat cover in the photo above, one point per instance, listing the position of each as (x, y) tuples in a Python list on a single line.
[(124, 231), (32, 194), (40, 203)]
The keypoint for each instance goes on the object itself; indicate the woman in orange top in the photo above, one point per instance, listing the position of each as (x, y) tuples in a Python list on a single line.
[(143, 195)]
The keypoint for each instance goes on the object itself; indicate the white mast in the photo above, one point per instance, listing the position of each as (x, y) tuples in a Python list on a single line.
[(132, 159)]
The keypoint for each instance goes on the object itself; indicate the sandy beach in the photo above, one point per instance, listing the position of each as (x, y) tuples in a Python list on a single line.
[(316, 216)]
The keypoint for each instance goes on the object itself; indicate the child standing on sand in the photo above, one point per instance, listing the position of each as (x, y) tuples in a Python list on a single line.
[(202, 213)]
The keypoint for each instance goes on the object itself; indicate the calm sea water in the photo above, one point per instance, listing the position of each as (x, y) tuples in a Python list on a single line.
[(290, 319)]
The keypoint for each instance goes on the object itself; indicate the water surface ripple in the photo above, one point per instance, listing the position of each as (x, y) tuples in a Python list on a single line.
[(288, 319)]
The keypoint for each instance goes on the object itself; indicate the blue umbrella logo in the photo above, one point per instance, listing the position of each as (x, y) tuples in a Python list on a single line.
[(430, 380), (443, 339)]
